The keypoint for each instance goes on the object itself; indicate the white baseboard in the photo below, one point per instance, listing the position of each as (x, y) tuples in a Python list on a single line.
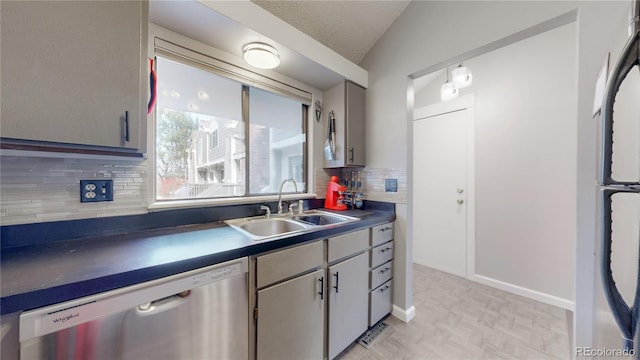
[(439, 268), (404, 315), (528, 293)]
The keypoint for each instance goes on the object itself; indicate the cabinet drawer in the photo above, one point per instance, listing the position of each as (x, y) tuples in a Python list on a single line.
[(348, 244), (286, 263), (381, 234), (381, 254), (380, 302), (380, 274)]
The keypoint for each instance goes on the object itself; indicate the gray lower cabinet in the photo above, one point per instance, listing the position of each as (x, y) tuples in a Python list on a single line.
[(348, 308), (290, 303), (10, 338), (74, 72), (311, 301), (381, 274), (380, 302), (291, 319)]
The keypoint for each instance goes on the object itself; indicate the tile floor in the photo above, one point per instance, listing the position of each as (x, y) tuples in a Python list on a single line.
[(460, 319)]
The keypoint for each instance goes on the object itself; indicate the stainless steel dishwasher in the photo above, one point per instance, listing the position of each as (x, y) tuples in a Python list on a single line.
[(200, 314)]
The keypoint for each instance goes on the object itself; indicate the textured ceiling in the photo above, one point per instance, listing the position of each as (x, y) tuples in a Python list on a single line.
[(349, 27)]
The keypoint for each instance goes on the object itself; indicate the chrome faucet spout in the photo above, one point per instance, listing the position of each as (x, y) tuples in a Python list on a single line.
[(280, 192)]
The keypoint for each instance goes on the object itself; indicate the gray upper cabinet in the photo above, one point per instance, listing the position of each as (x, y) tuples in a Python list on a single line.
[(347, 101), (75, 72)]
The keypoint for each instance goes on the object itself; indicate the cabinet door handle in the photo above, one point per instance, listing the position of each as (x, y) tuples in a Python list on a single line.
[(126, 126), (337, 275), (385, 229), (352, 156), (382, 290), (321, 293), (385, 249), (382, 271)]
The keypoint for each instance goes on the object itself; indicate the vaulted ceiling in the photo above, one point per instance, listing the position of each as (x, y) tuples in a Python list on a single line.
[(349, 28)]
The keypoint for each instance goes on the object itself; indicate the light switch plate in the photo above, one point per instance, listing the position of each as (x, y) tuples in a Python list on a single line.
[(96, 190), (391, 185)]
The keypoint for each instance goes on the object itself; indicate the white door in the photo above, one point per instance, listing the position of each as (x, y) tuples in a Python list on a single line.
[(440, 152)]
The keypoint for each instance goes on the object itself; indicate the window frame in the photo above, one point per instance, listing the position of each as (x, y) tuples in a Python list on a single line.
[(200, 59), (216, 137)]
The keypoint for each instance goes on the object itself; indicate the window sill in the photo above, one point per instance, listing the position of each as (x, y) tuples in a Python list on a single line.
[(196, 203)]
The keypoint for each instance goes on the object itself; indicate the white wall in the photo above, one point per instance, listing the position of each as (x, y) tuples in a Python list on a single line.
[(526, 126), (428, 33)]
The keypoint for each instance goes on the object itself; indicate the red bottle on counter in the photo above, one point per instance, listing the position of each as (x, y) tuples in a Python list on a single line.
[(334, 197)]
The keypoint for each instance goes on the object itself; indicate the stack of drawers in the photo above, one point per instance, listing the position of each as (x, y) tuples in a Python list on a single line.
[(381, 273)]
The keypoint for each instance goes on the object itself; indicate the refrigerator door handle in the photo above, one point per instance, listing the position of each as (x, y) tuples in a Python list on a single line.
[(628, 59), (626, 318)]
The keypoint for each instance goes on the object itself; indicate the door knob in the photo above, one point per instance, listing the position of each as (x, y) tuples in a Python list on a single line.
[(460, 191), (460, 201)]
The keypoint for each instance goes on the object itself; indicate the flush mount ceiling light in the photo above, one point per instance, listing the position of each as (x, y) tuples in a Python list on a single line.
[(261, 55), (448, 90), (462, 77)]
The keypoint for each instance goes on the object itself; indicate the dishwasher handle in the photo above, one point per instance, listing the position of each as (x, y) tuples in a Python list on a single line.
[(152, 305), (43, 321)]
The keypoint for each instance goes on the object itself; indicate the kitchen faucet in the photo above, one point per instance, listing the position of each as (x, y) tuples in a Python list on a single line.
[(280, 192)]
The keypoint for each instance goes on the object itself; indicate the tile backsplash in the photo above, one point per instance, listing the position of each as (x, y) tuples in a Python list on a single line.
[(39, 189), (373, 182)]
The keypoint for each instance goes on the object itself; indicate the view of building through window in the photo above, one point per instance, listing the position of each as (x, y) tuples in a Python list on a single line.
[(277, 141), (201, 139)]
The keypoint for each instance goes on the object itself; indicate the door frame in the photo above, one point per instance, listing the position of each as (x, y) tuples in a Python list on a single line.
[(441, 108)]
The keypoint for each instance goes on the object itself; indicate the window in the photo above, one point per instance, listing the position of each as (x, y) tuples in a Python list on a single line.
[(276, 133), (218, 137), (213, 139)]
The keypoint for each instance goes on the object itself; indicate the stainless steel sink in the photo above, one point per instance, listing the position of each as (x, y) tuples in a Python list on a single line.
[(269, 227), (263, 228), (321, 218)]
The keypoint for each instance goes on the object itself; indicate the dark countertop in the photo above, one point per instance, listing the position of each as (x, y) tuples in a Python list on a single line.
[(44, 274)]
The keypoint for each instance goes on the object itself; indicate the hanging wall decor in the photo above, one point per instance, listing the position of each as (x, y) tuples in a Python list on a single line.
[(318, 110)]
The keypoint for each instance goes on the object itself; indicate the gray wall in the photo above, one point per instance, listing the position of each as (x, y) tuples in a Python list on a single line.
[(427, 34), (525, 160)]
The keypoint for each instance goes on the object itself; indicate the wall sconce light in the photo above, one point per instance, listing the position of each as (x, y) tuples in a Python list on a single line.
[(448, 90), (462, 76), (261, 56)]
